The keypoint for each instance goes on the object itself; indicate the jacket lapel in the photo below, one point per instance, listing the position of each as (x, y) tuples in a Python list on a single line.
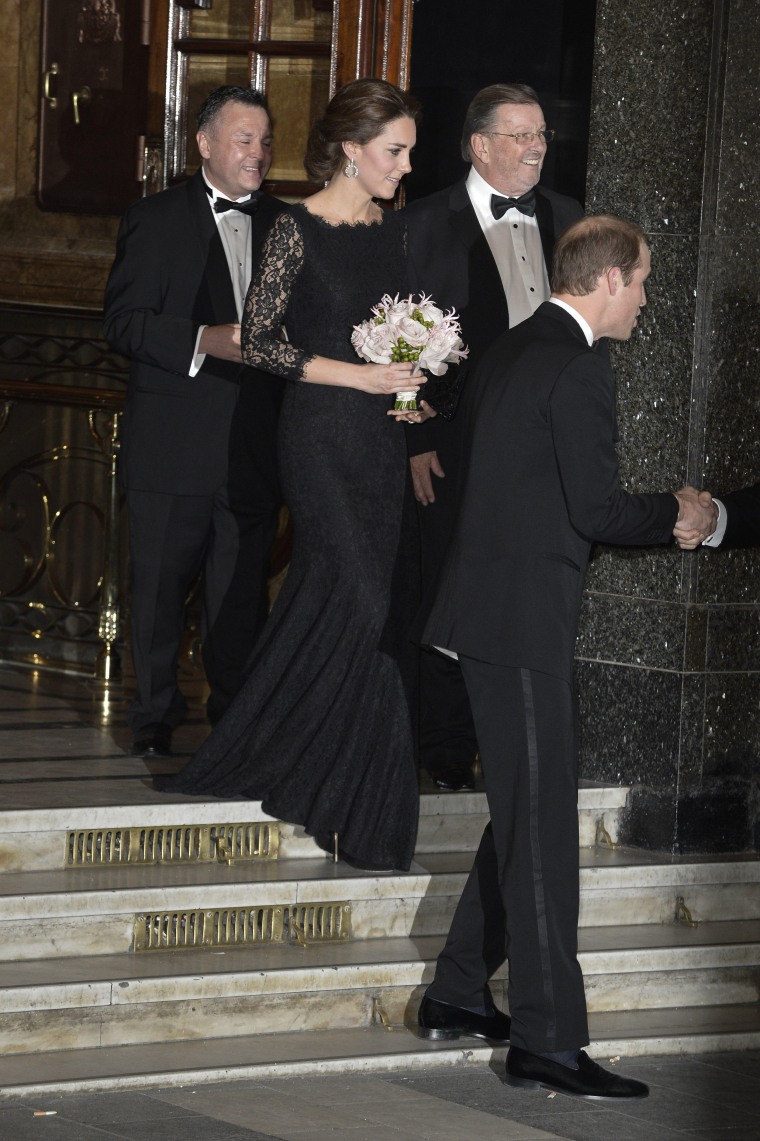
[(262, 219), (216, 294), (487, 305), (546, 228)]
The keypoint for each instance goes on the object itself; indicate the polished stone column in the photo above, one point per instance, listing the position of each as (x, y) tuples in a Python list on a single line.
[(669, 650)]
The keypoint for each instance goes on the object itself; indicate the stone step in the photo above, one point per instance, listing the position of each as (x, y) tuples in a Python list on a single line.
[(36, 839), (92, 911), (176, 996), (365, 1050)]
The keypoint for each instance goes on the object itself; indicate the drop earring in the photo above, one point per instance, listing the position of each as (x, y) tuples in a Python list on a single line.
[(351, 170)]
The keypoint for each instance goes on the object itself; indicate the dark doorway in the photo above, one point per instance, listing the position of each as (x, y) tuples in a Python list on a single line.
[(459, 46)]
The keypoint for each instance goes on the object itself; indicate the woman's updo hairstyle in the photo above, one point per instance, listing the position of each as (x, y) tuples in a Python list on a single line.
[(357, 113)]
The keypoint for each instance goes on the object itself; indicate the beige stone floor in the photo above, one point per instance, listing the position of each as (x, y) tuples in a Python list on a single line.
[(705, 1098)]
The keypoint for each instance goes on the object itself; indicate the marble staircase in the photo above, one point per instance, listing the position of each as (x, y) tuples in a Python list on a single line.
[(670, 950)]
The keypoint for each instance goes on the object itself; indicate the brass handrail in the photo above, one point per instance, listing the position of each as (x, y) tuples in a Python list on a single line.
[(110, 399), (108, 665)]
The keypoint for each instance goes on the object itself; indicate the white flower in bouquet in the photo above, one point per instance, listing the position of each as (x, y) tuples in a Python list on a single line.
[(375, 343), (411, 333), (412, 329), (440, 350)]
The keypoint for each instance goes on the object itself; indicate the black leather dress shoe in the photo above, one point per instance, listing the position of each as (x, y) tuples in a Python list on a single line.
[(590, 1080), (154, 740), (453, 780), (442, 1022)]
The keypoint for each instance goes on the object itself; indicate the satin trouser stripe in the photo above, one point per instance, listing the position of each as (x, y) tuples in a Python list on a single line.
[(535, 849)]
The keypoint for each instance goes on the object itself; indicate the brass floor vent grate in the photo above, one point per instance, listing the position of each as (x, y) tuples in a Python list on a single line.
[(244, 926), (319, 923), (181, 844)]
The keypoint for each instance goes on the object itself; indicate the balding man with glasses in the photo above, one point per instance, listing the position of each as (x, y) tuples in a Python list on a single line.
[(484, 248)]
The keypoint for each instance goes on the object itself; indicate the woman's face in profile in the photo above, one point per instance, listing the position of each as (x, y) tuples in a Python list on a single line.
[(384, 161)]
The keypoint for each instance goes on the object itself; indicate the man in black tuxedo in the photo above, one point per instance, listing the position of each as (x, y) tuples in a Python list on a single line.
[(541, 485), (484, 248), (198, 457)]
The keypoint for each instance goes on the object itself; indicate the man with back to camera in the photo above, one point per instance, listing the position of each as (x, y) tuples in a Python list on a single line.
[(541, 485), (198, 457), (484, 248)]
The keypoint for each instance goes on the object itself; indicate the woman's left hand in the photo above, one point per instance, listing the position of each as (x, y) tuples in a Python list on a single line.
[(424, 412)]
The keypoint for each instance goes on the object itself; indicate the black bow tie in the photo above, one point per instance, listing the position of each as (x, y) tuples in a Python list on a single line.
[(247, 207), (526, 204)]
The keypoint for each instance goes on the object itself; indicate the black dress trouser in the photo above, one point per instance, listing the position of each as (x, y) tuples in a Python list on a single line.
[(446, 732), (520, 901), (171, 539)]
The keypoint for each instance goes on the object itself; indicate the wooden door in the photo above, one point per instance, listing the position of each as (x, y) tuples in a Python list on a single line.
[(297, 52), (93, 95)]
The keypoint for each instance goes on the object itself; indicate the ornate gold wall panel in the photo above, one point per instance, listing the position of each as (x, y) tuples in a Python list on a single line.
[(61, 574)]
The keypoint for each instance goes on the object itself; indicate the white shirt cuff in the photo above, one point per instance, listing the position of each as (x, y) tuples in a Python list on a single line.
[(716, 538), (198, 357)]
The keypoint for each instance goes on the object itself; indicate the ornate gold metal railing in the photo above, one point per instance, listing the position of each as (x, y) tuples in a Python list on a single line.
[(58, 525)]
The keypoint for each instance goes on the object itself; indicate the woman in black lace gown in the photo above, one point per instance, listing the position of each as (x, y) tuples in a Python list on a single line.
[(321, 730)]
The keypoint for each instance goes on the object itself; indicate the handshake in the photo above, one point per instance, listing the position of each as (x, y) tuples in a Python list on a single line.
[(697, 517)]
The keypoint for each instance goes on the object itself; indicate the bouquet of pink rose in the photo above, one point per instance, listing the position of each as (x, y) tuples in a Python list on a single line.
[(410, 330)]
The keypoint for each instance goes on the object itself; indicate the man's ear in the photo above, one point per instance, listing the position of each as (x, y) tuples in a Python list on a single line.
[(614, 279), (203, 146), (479, 147)]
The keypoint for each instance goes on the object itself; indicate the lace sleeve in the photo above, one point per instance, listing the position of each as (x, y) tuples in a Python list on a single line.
[(267, 302)]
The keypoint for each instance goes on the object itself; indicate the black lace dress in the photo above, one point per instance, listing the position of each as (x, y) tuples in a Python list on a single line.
[(321, 730)]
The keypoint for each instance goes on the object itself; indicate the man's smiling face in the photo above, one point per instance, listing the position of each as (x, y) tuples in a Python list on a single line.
[(511, 167), (236, 149)]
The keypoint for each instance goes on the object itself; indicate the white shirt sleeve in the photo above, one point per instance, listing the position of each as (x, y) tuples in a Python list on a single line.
[(716, 538)]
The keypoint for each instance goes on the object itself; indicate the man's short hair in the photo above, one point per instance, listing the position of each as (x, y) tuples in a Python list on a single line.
[(481, 114), (221, 96), (590, 247)]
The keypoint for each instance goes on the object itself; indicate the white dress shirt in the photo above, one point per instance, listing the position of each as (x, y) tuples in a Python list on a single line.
[(235, 231), (515, 242)]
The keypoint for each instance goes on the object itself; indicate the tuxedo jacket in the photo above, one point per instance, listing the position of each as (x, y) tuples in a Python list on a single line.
[(743, 517), (170, 275), (450, 259), (541, 485)]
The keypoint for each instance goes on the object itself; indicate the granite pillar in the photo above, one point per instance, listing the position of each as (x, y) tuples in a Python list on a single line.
[(669, 651)]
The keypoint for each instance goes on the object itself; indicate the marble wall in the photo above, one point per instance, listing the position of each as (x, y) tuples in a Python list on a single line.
[(669, 653)]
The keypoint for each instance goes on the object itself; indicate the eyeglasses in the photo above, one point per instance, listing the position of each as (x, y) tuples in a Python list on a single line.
[(524, 137)]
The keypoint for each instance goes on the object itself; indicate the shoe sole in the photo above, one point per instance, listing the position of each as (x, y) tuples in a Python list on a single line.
[(530, 1083), (524, 1083), (450, 1035), (438, 1035)]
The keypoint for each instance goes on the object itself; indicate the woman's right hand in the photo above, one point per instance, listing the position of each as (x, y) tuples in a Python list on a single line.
[(387, 379)]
